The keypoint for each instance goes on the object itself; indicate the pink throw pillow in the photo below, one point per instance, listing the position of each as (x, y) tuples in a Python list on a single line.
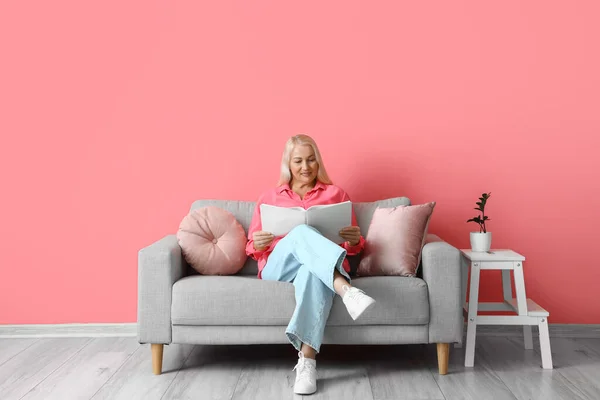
[(212, 241), (395, 239)]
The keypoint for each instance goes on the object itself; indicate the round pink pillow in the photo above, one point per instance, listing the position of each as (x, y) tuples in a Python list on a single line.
[(212, 241)]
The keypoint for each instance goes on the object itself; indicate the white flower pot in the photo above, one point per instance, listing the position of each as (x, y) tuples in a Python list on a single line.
[(481, 241)]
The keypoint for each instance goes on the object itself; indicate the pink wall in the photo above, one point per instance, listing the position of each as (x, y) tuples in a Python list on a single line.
[(116, 115)]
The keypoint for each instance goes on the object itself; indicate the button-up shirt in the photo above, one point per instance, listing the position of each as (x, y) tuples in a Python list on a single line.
[(284, 196)]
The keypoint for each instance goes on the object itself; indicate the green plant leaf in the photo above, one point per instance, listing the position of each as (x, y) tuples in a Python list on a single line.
[(481, 207)]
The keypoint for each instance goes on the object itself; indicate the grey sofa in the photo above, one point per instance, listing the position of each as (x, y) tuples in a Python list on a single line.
[(177, 305)]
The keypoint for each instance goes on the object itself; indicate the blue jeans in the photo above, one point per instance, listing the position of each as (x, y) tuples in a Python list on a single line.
[(307, 259)]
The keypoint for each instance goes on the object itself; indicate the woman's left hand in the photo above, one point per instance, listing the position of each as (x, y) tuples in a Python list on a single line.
[(351, 234)]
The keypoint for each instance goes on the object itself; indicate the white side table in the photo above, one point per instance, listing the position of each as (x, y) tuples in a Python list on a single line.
[(527, 311)]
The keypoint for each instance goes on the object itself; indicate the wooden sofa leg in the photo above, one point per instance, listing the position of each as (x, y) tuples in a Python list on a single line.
[(157, 356), (443, 350)]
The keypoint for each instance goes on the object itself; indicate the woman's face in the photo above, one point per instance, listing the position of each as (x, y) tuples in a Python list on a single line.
[(303, 164)]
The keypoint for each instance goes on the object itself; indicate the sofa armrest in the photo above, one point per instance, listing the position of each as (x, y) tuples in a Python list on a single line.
[(442, 273), (160, 265)]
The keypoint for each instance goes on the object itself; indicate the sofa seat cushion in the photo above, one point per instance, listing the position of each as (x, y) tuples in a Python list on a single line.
[(247, 300)]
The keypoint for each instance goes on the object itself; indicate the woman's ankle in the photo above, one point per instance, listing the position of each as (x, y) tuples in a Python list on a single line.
[(308, 352), (341, 286)]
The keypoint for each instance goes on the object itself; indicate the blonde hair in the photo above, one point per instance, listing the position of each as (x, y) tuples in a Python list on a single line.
[(285, 174)]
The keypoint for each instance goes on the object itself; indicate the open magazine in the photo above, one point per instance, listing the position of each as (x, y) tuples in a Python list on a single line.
[(328, 219)]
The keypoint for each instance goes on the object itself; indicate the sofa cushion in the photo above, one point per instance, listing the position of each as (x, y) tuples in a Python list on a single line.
[(247, 300), (243, 211), (395, 239), (212, 241), (364, 211)]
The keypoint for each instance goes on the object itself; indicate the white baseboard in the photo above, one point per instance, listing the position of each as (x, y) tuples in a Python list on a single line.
[(130, 329), (68, 330)]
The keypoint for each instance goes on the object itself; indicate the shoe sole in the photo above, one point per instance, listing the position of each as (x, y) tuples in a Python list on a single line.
[(304, 392)]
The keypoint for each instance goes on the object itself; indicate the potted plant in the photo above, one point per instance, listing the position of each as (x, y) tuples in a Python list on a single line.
[(482, 240)]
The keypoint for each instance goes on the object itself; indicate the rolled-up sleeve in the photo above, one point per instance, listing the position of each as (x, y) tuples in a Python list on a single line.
[(356, 249), (255, 226)]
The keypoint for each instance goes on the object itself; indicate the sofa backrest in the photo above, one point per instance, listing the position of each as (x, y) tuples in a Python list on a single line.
[(243, 211)]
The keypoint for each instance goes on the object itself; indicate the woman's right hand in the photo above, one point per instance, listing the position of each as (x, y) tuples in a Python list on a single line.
[(262, 240)]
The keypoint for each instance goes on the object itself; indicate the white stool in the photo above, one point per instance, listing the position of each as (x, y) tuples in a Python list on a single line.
[(527, 311)]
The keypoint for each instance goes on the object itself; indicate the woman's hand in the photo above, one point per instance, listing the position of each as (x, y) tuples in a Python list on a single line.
[(262, 240), (351, 234)]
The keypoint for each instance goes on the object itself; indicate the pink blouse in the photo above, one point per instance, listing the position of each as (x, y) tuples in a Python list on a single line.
[(284, 196)]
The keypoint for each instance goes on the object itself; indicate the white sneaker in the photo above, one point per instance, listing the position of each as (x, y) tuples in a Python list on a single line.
[(356, 301), (306, 375)]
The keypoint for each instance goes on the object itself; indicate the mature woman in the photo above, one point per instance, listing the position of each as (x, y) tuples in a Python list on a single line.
[(315, 265)]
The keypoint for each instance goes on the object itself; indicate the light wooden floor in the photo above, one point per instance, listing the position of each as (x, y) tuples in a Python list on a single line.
[(120, 368)]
